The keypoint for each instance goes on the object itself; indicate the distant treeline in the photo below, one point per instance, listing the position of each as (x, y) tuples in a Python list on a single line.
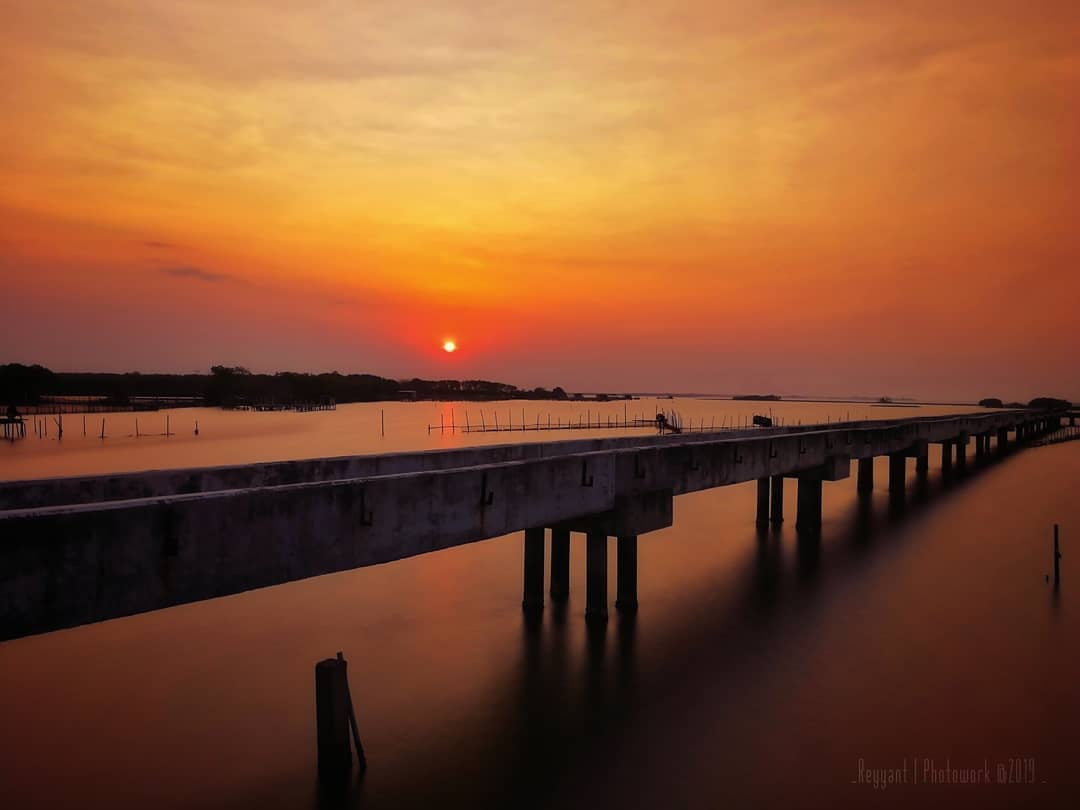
[(1039, 403), (228, 385)]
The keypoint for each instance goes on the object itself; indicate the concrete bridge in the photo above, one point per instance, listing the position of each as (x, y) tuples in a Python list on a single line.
[(80, 550)]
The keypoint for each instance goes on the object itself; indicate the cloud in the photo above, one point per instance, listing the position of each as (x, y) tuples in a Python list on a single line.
[(151, 243), (197, 274)]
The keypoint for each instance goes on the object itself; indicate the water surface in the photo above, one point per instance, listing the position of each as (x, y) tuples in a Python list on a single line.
[(760, 669)]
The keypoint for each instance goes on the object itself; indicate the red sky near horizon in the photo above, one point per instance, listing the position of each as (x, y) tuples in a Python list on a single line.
[(821, 197)]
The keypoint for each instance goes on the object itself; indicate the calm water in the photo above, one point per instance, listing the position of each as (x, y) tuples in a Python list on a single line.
[(758, 670)]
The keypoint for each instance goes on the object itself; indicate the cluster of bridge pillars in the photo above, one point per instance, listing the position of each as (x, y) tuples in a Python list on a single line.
[(770, 491), (596, 572), (770, 510)]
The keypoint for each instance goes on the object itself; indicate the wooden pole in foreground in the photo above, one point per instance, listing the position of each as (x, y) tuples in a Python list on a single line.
[(1057, 559), (335, 719)]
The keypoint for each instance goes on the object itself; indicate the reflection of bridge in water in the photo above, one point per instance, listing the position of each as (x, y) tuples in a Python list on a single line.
[(79, 550)]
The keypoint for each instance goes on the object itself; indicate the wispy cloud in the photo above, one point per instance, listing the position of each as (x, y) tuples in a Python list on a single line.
[(156, 245), (197, 274)]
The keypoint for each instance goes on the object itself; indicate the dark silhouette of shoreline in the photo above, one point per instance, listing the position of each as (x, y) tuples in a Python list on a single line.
[(228, 386)]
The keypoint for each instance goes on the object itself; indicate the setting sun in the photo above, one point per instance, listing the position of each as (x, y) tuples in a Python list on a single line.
[(449, 346)]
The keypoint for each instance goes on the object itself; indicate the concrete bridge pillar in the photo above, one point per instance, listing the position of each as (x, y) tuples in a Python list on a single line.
[(897, 473), (866, 475), (596, 544), (808, 516), (922, 464), (961, 452), (946, 456), (560, 565), (777, 514), (533, 591), (762, 501), (980, 448), (1002, 441), (626, 598), (1072, 421)]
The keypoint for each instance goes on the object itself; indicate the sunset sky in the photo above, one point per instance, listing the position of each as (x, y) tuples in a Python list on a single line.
[(824, 197)]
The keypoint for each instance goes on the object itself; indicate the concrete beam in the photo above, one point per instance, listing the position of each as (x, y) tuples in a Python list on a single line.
[(634, 514), (835, 468), (917, 449), (789, 449), (65, 565)]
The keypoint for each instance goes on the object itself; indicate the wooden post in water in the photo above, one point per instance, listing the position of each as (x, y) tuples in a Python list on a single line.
[(1057, 559), (335, 719), (382, 422), (103, 427), (84, 425)]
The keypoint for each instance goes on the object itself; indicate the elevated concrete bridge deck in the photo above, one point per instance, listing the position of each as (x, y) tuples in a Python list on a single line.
[(158, 483), (80, 550)]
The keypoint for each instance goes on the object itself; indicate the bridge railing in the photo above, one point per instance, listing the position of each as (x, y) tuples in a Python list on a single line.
[(161, 483)]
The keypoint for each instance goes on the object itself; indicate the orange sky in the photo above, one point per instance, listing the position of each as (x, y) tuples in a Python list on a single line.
[(821, 197)]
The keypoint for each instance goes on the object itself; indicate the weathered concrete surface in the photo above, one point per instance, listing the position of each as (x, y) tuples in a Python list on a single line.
[(71, 564), (159, 483)]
